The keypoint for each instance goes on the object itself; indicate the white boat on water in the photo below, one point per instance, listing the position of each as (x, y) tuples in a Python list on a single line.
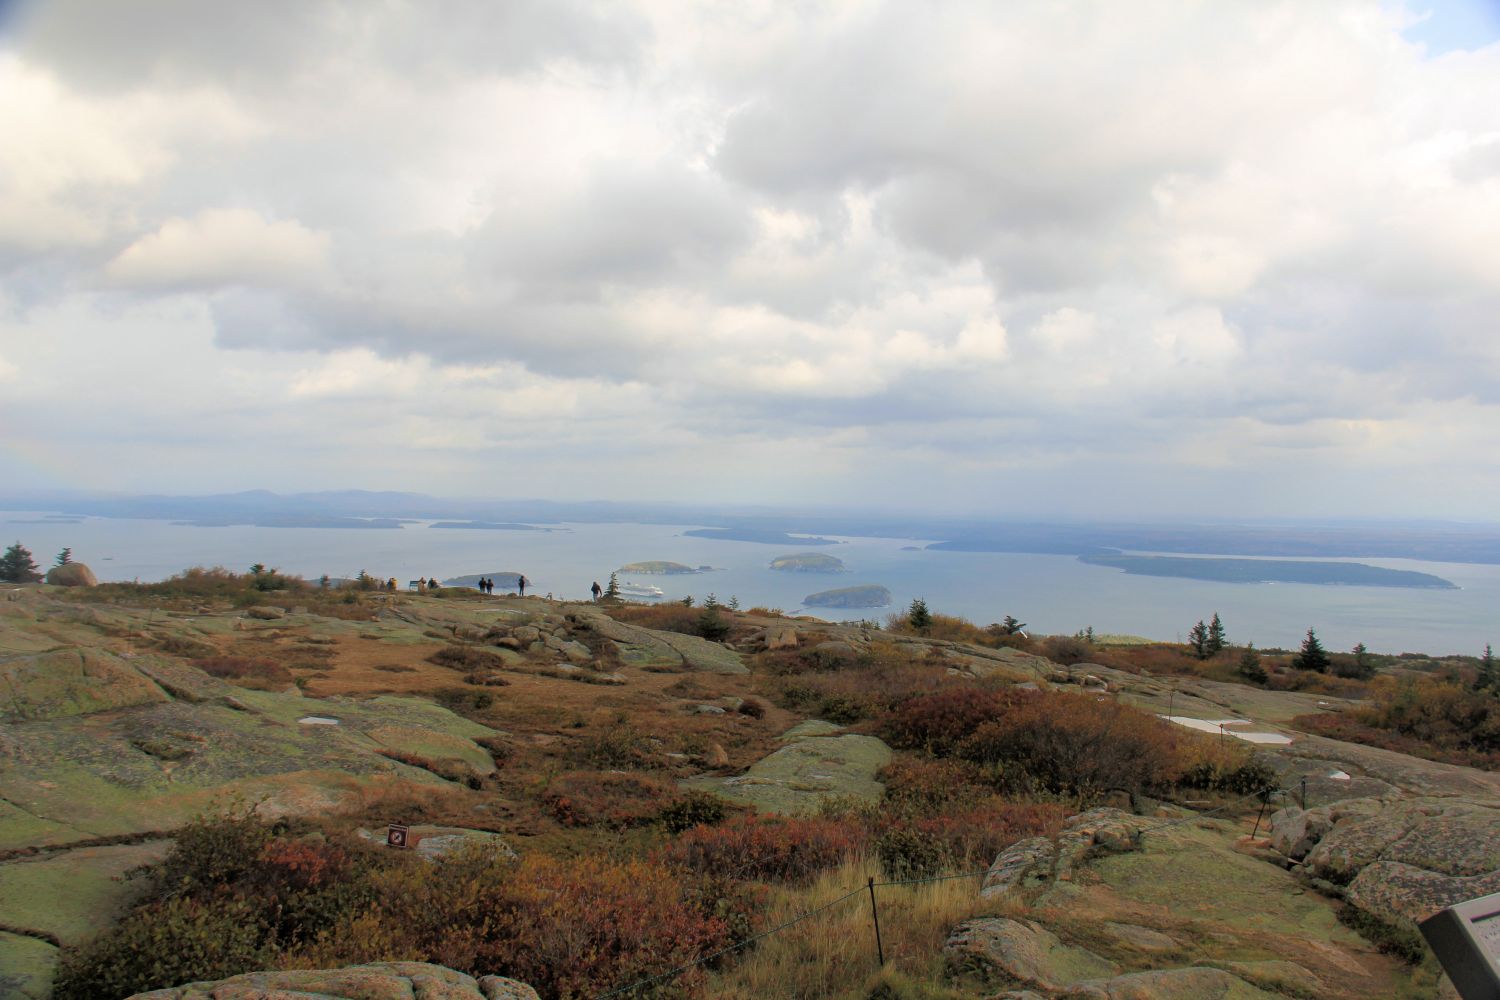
[(640, 590)]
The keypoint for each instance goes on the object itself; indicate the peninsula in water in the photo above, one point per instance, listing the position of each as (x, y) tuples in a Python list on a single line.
[(808, 562), (1270, 571), (866, 596), (486, 526), (764, 536)]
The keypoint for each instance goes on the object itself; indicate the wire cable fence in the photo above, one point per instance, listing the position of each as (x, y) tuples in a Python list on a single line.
[(1263, 793)]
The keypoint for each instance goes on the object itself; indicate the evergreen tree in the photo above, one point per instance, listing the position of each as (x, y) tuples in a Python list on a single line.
[(1198, 639), (917, 616), (1363, 668), (1216, 639), (1250, 667), (1312, 657), (710, 602), (17, 566), (1489, 672), (1011, 625), (613, 590), (64, 557), (734, 602)]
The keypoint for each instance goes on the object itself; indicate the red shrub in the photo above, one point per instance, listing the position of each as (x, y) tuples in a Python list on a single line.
[(771, 848), (939, 722), (603, 798)]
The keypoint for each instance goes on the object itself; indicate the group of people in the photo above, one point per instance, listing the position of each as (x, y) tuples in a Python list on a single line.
[(487, 586)]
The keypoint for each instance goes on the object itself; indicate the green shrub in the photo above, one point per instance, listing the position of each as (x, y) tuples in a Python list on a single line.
[(906, 854), (695, 808), (166, 943)]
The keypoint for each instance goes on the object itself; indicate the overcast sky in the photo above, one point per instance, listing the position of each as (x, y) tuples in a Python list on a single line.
[(1093, 259)]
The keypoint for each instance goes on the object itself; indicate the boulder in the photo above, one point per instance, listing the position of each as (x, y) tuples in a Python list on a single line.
[(72, 574), (1023, 860), (377, 981), (471, 633), (266, 612), (779, 637)]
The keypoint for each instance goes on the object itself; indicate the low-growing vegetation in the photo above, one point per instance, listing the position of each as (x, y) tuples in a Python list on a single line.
[(1433, 717)]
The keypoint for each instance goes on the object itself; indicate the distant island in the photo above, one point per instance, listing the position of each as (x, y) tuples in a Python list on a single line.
[(808, 562), (504, 581), (660, 567), (486, 526), (866, 596), (764, 536), (1270, 571), (295, 521)]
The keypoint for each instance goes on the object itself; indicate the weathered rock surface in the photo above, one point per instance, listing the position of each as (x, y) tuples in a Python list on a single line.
[(1004, 952), (1402, 860), (266, 612), (810, 769), (377, 981), (72, 682), (1193, 983), (73, 574)]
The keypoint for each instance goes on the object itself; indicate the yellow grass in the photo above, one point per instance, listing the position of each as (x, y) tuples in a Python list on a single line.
[(832, 955)]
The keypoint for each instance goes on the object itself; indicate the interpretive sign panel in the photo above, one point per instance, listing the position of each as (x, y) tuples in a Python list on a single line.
[(1466, 939), (396, 836)]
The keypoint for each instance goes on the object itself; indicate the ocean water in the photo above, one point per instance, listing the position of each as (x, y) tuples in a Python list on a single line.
[(1053, 594)]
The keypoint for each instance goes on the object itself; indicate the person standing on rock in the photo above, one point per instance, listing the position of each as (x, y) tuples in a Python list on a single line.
[(521, 582), (597, 590)]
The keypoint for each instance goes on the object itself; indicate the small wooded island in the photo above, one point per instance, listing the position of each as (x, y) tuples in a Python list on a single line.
[(865, 596), (808, 562), (661, 567)]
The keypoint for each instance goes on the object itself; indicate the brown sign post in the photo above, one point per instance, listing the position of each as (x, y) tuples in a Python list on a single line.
[(397, 835)]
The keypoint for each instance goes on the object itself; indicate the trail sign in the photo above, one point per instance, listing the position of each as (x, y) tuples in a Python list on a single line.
[(397, 835), (1466, 939)]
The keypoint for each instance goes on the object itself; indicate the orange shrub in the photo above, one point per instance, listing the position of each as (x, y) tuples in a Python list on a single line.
[(781, 849), (1076, 745)]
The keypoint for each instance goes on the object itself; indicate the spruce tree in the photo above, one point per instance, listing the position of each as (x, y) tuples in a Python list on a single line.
[(64, 557), (1011, 625), (917, 616), (1250, 667), (1489, 672), (1216, 638), (1312, 657), (1198, 639), (613, 590), (17, 566)]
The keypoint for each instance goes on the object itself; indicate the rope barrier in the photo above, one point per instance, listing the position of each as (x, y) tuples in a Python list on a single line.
[(872, 885)]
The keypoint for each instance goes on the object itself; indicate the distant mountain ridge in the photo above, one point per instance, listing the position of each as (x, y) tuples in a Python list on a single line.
[(1425, 540)]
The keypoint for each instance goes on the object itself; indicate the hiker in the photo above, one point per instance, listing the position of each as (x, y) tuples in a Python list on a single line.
[(480, 584), (390, 585), (521, 583), (597, 590), (432, 583), (489, 586)]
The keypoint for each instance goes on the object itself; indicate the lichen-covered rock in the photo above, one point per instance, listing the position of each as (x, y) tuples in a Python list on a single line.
[(266, 612), (72, 682), (1004, 952), (1404, 894), (377, 981)]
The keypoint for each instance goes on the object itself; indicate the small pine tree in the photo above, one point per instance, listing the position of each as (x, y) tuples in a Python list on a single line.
[(1489, 672), (917, 616), (734, 602), (1312, 657), (613, 590), (1360, 668), (1216, 638), (1198, 640), (1250, 667), (17, 566), (1011, 625), (64, 557), (687, 601), (710, 602)]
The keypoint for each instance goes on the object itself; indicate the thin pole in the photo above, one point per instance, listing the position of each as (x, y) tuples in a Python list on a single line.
[(1265, 797), (1304, 793), (1171, 697), (875, 915)]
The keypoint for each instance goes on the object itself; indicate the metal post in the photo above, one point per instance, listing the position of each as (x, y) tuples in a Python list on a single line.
[(1171, 697), (875, 915), (1265, 798), (1304, 793)]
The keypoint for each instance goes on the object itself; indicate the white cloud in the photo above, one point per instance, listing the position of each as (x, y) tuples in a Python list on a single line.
[(225, 246)]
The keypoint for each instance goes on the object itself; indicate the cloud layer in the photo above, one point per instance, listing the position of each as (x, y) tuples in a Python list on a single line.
[(1227, 258)]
